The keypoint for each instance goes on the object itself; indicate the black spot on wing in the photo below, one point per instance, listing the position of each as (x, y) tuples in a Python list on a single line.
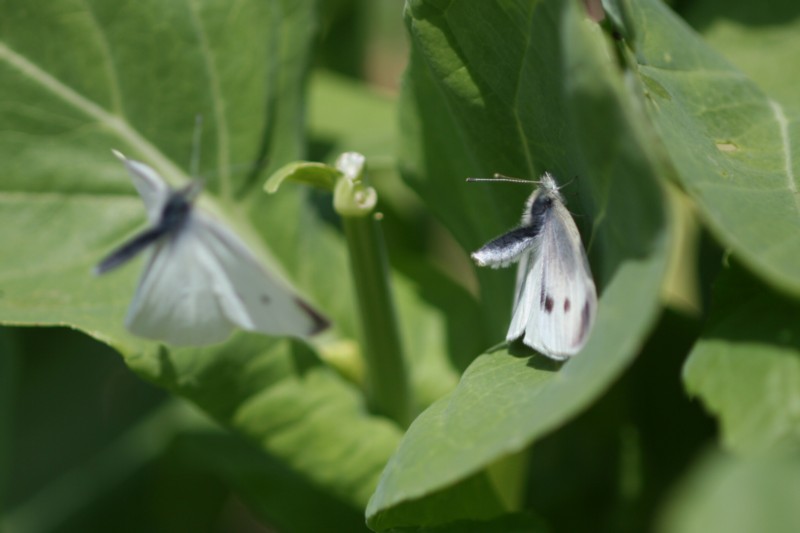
[(548, 303), (320, 323), (584, 327), (566, 305)]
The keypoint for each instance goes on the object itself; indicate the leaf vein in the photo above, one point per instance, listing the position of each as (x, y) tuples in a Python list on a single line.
[(108, 63), (114, 122), (783, 124)]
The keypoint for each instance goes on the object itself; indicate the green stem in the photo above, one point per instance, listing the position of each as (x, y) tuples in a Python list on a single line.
[(387, 376)]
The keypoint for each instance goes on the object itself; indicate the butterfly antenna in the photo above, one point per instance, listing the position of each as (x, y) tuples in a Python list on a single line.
[(194, 162), (567, 183), (502, 178)]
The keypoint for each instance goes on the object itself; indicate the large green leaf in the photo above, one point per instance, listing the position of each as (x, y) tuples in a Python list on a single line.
[(95, 84), (542, 93), (746, 366), (133, 77), (727, 495), (746, 33), (279, 496), (732, 146)]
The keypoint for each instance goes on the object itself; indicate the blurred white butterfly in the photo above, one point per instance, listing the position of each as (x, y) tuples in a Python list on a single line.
[(201, 281), (555, 299)]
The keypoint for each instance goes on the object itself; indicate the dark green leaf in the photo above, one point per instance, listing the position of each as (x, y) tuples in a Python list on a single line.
[(279, 496), (543, 93), (746, 367)]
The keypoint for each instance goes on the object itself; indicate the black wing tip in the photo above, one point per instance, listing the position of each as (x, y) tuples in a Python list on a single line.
[(106, 265), (319, 322)]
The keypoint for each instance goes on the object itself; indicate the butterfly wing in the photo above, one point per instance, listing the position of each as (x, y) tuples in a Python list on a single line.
[(151, 187), (248, 295), (556, 300), (175, 300)]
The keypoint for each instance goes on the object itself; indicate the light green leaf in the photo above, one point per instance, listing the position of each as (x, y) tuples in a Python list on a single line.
[(746, 366), (345, 116), (762, 41), (511, 105), (307, 173), (733, 147), (133, 77), (727, 495)]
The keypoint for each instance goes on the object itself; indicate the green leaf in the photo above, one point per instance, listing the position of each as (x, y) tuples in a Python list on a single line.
[(274, 493), (746, 366), (8, 384), (279, 395), (512, 108), (727, 495), (312, 174), (746, 33), (514, 523), (472, 498), (98, 82), (67, 110), (345, 116), (731, 145)]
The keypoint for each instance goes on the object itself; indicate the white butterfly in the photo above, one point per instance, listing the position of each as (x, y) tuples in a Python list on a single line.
[(201, 281), (555, 299)]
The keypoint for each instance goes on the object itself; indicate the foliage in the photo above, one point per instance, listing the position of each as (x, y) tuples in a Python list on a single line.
[(651, 132)]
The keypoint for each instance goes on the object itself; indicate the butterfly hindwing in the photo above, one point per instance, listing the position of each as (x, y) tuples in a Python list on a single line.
[(559, 294), (250, 297)]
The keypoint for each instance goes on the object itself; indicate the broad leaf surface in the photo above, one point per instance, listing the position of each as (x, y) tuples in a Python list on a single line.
[(517, 523), (543, 93), (746, 33), (133, 77), (746, 366), (726, 495), (734, 148), (274, 493)]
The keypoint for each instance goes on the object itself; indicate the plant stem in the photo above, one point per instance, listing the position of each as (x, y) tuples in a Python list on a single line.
[(387, 377)]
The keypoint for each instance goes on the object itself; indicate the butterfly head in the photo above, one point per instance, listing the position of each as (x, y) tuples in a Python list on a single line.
[(179, 204)]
